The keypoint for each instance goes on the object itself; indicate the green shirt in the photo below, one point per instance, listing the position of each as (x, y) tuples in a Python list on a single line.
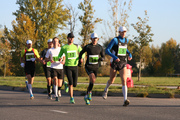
[(71, 53)]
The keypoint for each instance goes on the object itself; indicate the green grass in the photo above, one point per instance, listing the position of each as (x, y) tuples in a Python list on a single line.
[(152, 82)]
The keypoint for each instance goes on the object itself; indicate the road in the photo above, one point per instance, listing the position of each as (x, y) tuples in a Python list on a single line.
[(17, 106)]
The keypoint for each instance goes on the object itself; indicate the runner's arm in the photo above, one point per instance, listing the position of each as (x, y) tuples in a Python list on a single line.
[(37, 56), (61, 53), (82, 52), (102, 54), (110, 45)]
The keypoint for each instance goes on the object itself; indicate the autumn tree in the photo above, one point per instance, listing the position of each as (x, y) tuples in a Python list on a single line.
[(49, 16), (88, 21), (5, 55), (143, 39)]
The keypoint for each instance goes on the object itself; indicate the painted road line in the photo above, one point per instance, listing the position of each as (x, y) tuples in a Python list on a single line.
[(59, 111)]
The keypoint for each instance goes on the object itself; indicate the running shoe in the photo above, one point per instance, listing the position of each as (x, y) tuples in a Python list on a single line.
[(66, 87), (31, 96), (105, 95), (126, 102), (59, 93), (57, 99), (26, 82), (50, 97), (72, 100), (90, 96), (86, 100)]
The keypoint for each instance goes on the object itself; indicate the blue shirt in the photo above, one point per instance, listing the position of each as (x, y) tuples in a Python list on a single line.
[(113, 42)]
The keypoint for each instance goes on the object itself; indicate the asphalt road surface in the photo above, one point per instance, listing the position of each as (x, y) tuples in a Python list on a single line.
[(18, 106)]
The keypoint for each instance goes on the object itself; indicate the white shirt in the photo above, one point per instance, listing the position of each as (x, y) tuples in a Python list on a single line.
[(53, 53)]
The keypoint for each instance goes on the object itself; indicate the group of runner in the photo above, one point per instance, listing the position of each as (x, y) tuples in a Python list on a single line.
[(57, 60)]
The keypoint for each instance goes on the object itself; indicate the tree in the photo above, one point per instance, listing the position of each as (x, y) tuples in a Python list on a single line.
[(73, 17), (144, 38), (48, 15), (119, 9), (168, 56), (87, 20), (5, 55)]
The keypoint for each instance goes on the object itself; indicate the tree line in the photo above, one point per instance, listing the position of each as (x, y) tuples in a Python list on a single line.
[(40, 20)]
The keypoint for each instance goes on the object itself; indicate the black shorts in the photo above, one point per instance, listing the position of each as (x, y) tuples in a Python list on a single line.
[(118, 66), (30, 71), (59, 73), (72, 75), (47, 71), (90, 70)]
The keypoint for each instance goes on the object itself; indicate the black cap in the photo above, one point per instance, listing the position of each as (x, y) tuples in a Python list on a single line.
[(70, 35)]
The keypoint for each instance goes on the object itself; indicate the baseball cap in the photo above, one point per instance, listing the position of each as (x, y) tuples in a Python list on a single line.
[(70, 35), (50, 40), (122, 29), (94, 35), (28, 42)]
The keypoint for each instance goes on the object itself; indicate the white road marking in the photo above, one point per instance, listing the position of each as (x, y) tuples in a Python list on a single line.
[(59, 111)]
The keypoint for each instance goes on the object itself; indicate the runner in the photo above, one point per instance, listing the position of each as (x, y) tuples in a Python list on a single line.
[(71, 51), (94, 50), (56, 66), (28, 58), (119, 45), (47, 69)]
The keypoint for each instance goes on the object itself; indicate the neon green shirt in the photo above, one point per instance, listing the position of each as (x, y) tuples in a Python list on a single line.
[(71, 53)]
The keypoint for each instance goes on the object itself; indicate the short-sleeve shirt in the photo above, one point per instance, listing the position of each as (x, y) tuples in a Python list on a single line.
[(53, 53), (72, 54)]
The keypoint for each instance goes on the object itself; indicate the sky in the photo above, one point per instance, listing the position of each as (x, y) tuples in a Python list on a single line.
[(164, 17)]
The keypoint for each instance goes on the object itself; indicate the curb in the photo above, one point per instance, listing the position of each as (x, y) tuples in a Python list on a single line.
[(95, 93)]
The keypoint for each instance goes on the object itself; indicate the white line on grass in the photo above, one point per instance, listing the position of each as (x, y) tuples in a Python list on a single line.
[(59, 111)]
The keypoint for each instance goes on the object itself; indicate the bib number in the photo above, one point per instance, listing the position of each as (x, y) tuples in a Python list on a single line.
[(48, 64), (71, 54), (29, 56), (122, 50), (93, 59)]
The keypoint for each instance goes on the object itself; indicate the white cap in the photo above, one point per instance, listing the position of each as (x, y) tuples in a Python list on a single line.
[(28, 42), (122, 29), (94, 35), (50, 40)]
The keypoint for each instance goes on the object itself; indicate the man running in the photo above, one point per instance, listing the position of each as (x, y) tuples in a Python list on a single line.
[(47, 68), (94, 50), (56, 66), (71, 51), (28, 58), (119, 45)]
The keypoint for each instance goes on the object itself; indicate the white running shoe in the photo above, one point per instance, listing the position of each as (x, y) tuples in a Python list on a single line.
[(105, 95)]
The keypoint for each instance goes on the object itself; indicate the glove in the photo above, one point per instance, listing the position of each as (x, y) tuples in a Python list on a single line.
[(33, 59), (22, 64)]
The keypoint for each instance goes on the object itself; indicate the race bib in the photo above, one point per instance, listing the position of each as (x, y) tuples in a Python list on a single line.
[(71, 54), (55, 59), (122, 50), (48, 64), (29, 56), (93, 59)]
